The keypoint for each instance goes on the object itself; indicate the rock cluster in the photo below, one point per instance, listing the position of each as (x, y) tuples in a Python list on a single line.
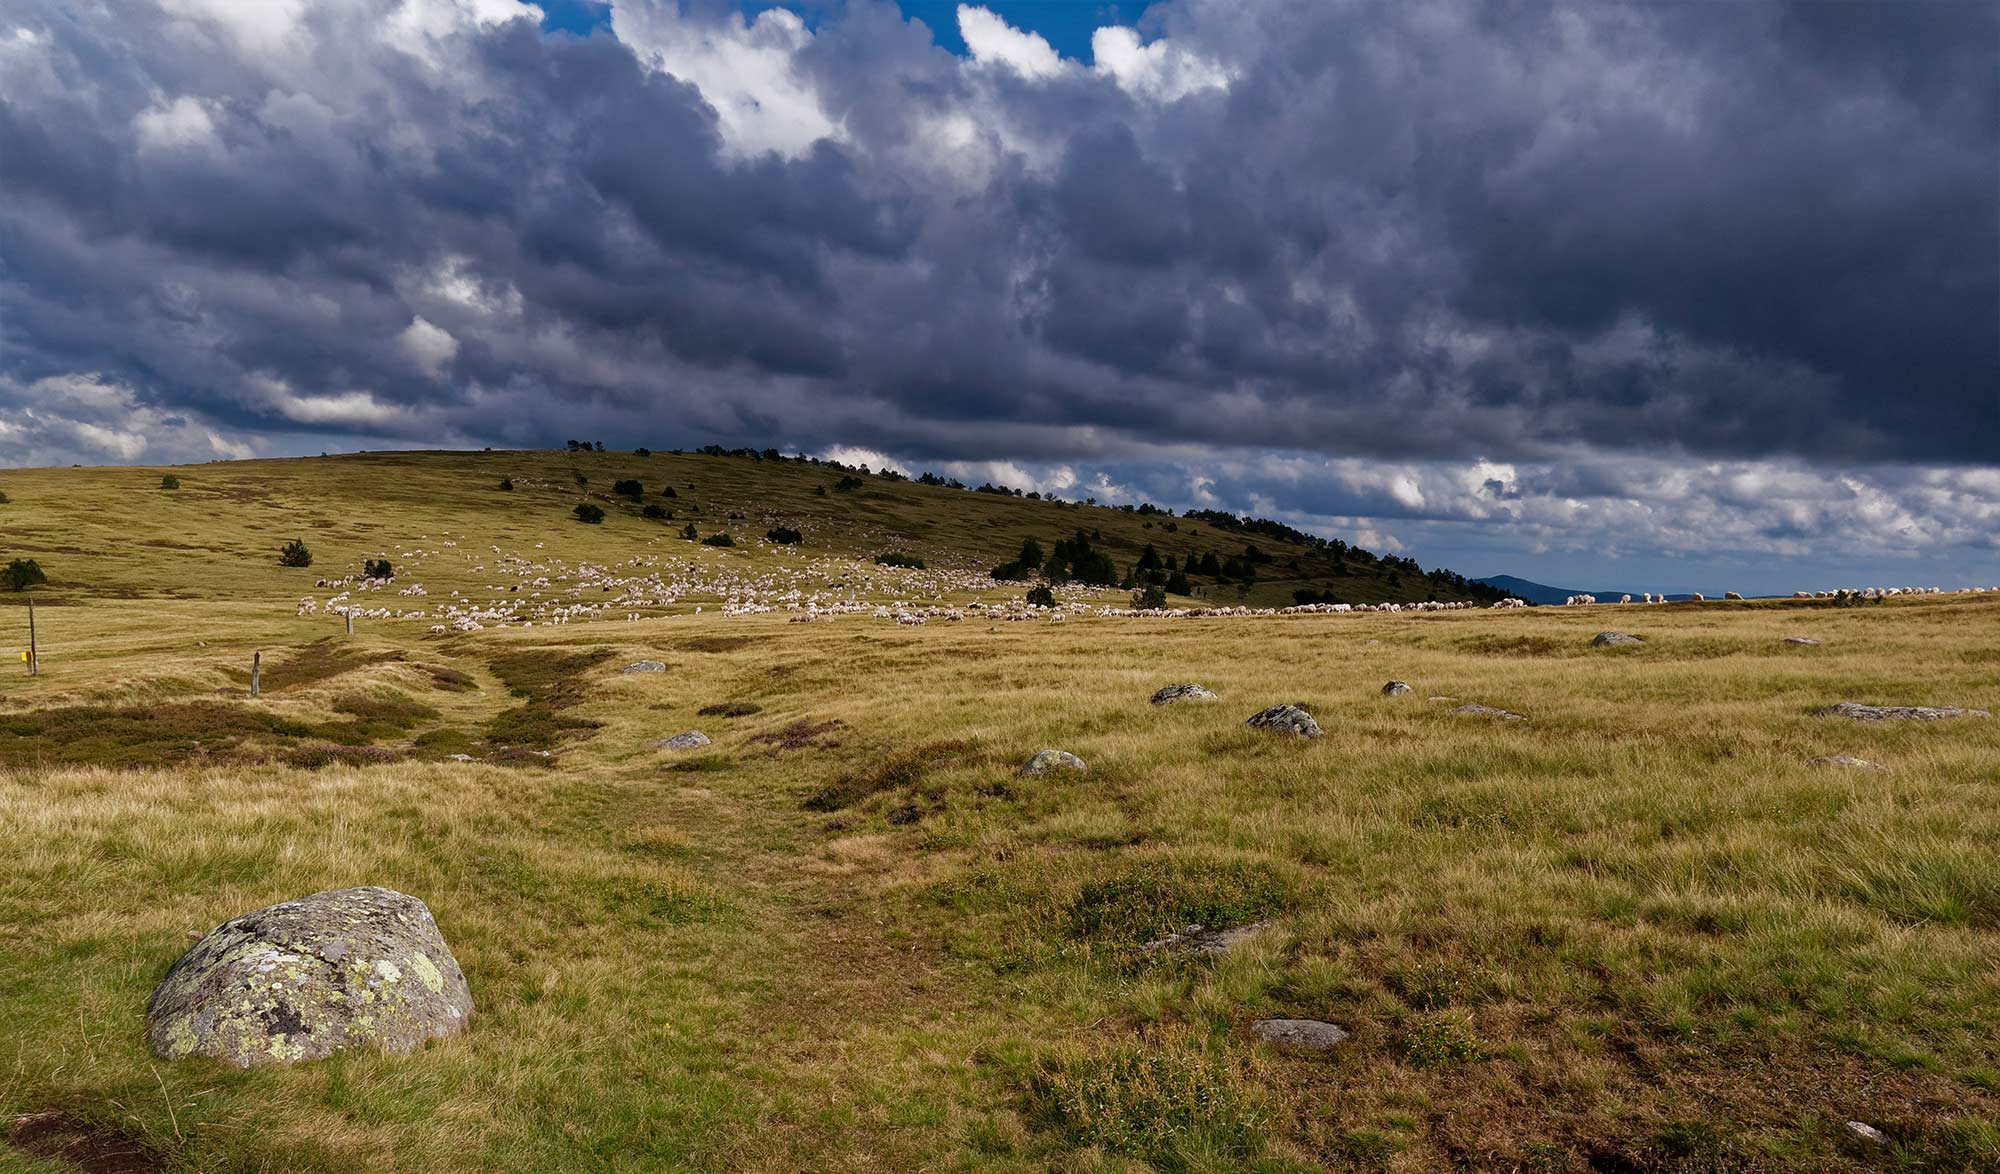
[(691, 740), (1476, 710), (1395, 689), (1613, 639), (645, 666), (349, 968)]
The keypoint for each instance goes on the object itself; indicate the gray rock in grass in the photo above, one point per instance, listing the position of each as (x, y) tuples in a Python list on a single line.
[(349, 968), (1285, 719), (1889, 713), (1048, 760), (1299, 1033), (1187, 692)]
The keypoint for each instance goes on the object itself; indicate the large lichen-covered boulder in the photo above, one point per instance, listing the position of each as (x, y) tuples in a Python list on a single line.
[(301, 980)]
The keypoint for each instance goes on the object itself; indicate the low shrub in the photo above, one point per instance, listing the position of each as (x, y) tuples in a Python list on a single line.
[(847, 483), (668, 492), (507, 484), (377, 568), (897, 559), (295, 554), (588, 514), (784, 536), (628, 488), (642, 452), (658, 513), (170, 482), (1040, 596), (722, 539), (1150, 596)]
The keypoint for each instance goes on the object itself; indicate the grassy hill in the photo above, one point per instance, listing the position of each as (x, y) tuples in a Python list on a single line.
[(1640, 930), (106, 531)]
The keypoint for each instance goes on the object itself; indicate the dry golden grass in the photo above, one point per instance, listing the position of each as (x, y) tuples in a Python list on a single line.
[(1637, 931)]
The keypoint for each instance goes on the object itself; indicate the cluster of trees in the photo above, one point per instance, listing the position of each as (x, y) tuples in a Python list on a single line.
[(377, 568), (583, 445), (22, 574), (1072, 559)]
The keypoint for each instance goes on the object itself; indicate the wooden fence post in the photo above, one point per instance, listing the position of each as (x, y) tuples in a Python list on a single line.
[(350, 623), (34, 652), (256, 664)]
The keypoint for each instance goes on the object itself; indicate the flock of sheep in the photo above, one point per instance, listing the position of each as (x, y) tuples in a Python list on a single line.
[(1865, 593)]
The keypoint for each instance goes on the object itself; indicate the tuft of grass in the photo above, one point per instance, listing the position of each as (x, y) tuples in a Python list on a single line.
[(1437, 1040), (1170, 1102), (1156, 896), (888, 772), (730, 709)]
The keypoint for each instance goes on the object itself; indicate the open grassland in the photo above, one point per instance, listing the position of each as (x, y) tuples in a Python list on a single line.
[(1639, 930)]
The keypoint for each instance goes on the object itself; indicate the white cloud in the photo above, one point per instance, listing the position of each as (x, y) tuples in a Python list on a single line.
[(848, 454), (86, 418), (430, 347), (994, 42), (1161, 71), (181, 124), (743, 69)]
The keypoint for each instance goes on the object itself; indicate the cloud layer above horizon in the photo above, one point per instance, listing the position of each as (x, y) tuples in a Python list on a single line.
[(1645, 280)]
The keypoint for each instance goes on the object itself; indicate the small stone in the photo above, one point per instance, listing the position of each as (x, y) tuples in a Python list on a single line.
[(1048, 760), (1867, 1132), (1883, 713), (1299, 1033), (692, 740), (1285, 719), (461, 758), (1204, 942), (348, 968), (1800, 640), (1395, 689), (1613, 639), (1189, 692), (1476, 710), (1846, 760), (645, 666)]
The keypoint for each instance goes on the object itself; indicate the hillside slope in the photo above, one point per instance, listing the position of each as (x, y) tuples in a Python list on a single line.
[(116, 531)]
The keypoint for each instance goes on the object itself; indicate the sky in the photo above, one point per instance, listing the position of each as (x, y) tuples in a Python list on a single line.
[(1663, 296)]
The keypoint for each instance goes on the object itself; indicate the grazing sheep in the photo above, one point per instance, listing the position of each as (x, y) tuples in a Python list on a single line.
[(1698, 597), (1731, 595)]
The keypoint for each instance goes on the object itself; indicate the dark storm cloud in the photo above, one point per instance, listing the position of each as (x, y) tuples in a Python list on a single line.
[(1434, 231)]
